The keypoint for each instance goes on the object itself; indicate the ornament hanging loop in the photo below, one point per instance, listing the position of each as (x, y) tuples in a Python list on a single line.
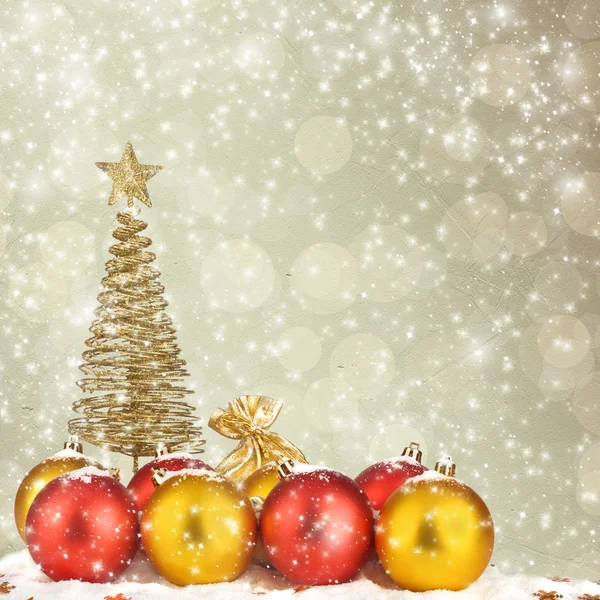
[(413, 451), (158, 476), (162, 449), (74, 444), (285, 467), (445, 466)]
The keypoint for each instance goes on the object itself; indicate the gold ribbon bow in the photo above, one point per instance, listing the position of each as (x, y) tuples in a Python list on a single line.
[(248, 419)]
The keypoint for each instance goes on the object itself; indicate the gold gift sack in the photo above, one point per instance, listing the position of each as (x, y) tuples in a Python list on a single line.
[(248, 419)]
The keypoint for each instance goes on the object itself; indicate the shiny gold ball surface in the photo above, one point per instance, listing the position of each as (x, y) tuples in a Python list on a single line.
[(434, 533), (262, 481), (197, 527), (260, 484), (39, 476)]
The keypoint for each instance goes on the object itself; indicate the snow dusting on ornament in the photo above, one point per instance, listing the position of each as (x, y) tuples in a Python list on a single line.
[(67, 453), (398, 462), (432, 475), (86, 474), (208, 474), (299, 467)]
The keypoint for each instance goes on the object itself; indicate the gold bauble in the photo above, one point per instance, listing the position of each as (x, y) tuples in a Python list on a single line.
[(434, 533), (198, 527), (260, 484), (40, 475), (262, 481)]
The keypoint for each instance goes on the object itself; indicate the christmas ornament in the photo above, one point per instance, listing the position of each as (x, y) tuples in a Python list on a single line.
[(141, 485), (83, 525), (198, 527), (133, 386), (382, 478), (69, 459), (248, 419), (257, 487), (316, 525), (262, 481), (434, 532)]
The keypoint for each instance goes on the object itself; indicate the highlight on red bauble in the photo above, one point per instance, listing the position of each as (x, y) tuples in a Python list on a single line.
[(316, 526), (141, 487), (83, 525)]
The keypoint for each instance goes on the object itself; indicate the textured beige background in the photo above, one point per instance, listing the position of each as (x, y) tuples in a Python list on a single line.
[(385, 214)]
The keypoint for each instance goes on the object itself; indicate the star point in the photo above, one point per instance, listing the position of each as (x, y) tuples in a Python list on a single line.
[(129, 178)]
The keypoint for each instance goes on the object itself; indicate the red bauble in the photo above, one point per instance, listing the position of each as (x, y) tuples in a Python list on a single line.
[(141, 487), (83, 525), (316, 526), (382, 478)]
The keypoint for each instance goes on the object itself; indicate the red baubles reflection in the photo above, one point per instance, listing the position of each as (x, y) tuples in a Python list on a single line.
[(141, 487), (382, 478), (83, 525), (316, 526)]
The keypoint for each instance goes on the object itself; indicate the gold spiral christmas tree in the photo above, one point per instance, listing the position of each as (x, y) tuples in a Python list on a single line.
[(133, 385)]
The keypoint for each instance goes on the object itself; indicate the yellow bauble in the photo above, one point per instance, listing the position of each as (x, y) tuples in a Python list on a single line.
[(262, 481), (40, 475), (198, 527), (434, 533), (260, 484)]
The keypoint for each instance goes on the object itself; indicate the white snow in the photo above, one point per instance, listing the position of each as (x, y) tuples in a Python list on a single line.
[(207, 474), (84, 474), (429, 475), (68, 453), (140, 581), (397, 462), (181, 454), (299, 467)]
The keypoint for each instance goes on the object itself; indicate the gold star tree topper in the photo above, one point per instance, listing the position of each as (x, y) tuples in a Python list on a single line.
[(129, 178)]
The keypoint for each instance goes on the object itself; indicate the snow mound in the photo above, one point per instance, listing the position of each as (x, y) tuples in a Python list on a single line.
[(141, 581)]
